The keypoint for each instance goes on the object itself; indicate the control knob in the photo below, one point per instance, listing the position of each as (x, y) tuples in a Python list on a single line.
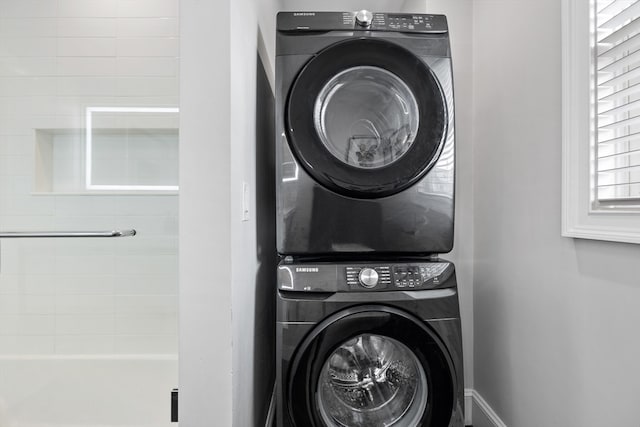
[(364, 18), (368, 277)]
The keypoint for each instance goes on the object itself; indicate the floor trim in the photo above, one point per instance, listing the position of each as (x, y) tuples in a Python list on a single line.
[(481, 413), (468, 406)]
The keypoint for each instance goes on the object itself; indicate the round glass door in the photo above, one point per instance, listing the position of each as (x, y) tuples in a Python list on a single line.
[(366, 118), (372, 380), (373, 366)]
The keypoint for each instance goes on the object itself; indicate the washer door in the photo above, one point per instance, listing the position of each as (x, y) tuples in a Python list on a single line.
[(371, 366), (366, 118)]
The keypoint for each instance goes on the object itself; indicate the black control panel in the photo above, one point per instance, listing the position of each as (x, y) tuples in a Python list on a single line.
[(365, 277), (352, 275), (329, 21)]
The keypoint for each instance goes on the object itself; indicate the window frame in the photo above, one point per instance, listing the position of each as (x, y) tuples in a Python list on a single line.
[(580, 218)]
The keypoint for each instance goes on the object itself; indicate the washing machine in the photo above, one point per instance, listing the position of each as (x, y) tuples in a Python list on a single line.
[(364, 133), (374, 343)]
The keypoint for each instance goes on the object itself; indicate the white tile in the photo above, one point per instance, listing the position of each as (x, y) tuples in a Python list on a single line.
[(146, 122), (98, 247), (58, 122), (14, 165), (27, 86), (148, 27), (27, 123), (147, 264), (16, 145), (86, 86), (11, 284), (26, 324), (160, 46), (86, 205), (85, 265), (76, 104), (86, 223), (90, 284), (12, 304), (86, 46), (28, 223), (146, 304), (26, 263), (84, 304), (87, 8), (79, 324), (36, 105), (147, 285), (149, 226), (24, 205), (27, 304), (87, 27), (147, 8), (23, 125), (39, 304), (23, 344), (16, 185), (28, 8), (28, 27), (147, 324), (27, 46), (39, 284), (86, 66), (147, 67), (141, 245), (136, 344), (148, 205), (84, 344)]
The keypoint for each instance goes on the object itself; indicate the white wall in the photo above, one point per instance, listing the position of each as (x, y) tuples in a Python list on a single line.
[(459, 16), (227, 265), (253, 254), (205, 223), (556, 319)]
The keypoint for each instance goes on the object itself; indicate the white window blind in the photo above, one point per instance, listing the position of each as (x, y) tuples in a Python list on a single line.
[(617, 95)]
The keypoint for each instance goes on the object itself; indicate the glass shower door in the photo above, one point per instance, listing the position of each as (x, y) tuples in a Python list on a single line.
[(88, 154)]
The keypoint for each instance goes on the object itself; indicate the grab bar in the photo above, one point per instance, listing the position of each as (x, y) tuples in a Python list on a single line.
[(58, 234)]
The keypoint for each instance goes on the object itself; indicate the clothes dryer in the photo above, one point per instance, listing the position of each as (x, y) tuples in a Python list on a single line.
[(365, 133), (370, 343)]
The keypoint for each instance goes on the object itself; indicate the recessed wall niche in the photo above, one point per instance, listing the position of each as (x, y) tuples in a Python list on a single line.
[(118, 151)]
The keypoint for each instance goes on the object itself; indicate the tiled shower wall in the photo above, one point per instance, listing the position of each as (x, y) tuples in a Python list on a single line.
[(84, 296)]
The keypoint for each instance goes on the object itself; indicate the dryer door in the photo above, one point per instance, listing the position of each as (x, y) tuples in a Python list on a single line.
[(371, 366), (366, 118)]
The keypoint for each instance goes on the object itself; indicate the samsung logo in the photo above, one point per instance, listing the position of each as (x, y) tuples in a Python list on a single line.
[(306, 269), (304, 14)]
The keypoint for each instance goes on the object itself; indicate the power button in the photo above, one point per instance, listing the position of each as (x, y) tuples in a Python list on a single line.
[(368, 277)]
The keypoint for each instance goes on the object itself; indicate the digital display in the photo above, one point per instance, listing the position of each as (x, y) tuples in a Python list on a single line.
[(409, 272), (395, 16)]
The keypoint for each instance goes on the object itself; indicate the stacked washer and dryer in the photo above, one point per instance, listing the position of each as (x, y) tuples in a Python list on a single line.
[(368, 325)]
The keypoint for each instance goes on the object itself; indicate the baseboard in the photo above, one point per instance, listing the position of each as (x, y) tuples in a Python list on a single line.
[(481, 414), (468, 406)]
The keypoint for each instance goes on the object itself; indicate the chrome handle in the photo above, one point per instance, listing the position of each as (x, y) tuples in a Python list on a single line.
[(58, 234)]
